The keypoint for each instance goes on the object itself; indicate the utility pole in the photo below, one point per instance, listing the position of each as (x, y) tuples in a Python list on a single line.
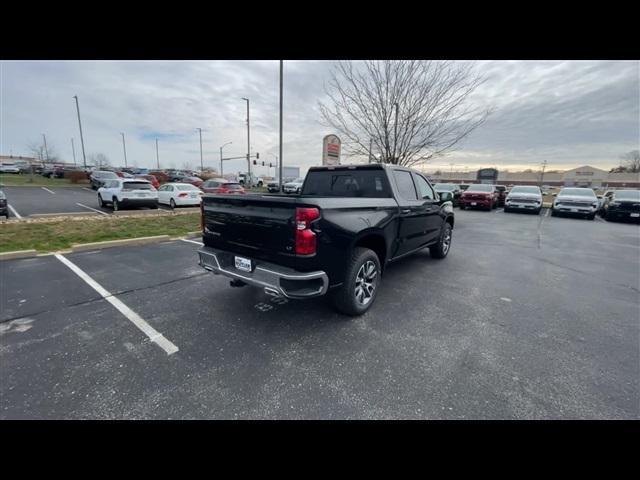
[(201, 162), (280, 146), (46, 153), (248, 145), (73, 150), (157, 155), (544, 164), (124, 149), (84, 157), (221, 159)]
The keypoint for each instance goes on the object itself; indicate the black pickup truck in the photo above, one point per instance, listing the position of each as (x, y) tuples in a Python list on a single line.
[(335, 237)]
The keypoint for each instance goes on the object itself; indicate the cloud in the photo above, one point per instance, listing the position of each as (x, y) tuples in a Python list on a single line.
[(567, 113)]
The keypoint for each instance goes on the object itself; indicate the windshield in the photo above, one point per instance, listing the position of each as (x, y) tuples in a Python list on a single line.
[(480, 188), (445, 187), (627, 195), (347, 183), (136, 186), (105, 175), (534, 190), (580, 192), (187, 187)]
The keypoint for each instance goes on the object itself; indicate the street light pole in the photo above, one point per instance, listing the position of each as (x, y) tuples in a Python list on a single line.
[(124, 148), (157, 155), (248, 144), (221, 169), (201, 162), (544, 164), (84, 157), (280, 148), (46, 152), (395, 134), (73, 150)]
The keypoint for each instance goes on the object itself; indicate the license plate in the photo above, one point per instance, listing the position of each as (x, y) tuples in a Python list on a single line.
[(193, 195), (635, 215), (243, 264), (141, 194), (473, 204)]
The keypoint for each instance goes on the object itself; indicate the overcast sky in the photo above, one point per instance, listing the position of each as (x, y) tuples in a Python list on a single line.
[(569, 113)]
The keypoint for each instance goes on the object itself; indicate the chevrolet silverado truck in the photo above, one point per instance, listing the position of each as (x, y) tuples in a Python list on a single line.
[(335, 238)]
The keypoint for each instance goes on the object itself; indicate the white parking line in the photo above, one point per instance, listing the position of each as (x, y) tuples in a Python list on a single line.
[(600, 219), (191, 241), (89, 189), (94, 209), (498, 210), (138, 321), (45, 188), (548, 212), (13, 210)]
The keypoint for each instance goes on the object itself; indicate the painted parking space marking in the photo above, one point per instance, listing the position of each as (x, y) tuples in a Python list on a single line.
[(87, 189), (132, 316), (47, 190), (90, 208), (13, 210), (191, 241), (600, 219)]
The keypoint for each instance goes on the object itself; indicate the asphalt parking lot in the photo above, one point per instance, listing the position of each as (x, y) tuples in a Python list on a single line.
[(29, 201), (529, 317)]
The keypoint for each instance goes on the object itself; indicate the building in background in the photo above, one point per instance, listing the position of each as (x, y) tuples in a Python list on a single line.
[(585, 176)]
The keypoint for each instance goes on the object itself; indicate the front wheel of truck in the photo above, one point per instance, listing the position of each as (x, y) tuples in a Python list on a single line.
[(360, 287)]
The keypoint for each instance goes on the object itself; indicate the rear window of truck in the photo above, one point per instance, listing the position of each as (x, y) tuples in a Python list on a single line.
[(345, 183)]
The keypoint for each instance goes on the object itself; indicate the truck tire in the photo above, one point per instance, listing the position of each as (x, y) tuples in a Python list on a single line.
[(441, 249), (360, 287)]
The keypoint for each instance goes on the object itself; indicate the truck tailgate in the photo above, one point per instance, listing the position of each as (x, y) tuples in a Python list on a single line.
[(261, 227)]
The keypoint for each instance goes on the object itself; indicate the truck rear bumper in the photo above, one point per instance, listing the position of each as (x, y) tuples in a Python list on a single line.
[(276, 280)]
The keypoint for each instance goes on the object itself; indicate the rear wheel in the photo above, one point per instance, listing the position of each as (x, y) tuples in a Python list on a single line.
[(441, 249), (461, 206), (172, 203), (360, 287), (115, 204)]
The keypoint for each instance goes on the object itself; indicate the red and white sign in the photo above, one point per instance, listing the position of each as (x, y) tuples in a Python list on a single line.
[(331, 150)]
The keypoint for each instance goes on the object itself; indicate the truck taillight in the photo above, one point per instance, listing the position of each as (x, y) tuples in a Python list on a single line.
[(202, 216), (305, 237)]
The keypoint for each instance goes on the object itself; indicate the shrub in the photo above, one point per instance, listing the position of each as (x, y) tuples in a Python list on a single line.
[(76, 177)]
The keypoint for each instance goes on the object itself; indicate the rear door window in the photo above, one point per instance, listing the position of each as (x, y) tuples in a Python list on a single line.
[(424, 189), (405, 185)]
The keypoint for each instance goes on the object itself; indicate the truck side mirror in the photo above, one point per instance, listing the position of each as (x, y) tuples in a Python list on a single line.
[(446, 196)]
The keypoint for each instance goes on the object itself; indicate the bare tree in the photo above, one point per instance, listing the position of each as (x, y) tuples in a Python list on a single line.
[(41, 154), (187, 166), (100, 160), (402, 112), (631, 161)]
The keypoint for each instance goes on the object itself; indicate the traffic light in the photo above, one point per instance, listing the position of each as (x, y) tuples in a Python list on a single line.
[(263, 164), (270, 165), (257, 155), (255, 163)]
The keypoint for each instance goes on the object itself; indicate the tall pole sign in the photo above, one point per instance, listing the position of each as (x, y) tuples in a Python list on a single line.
[(331, 150)]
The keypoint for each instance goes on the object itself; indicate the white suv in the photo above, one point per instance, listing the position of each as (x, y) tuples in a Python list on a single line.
[(127, 192)]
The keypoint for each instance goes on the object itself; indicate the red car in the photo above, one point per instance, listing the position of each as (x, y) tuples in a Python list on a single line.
[(221, 185), (480, 195), (192, 180), (154, 181)]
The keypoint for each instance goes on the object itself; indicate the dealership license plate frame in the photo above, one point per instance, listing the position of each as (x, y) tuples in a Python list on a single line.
[(243, 264)]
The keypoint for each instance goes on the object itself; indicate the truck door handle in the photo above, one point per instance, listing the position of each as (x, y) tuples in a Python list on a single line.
[(405, 210)]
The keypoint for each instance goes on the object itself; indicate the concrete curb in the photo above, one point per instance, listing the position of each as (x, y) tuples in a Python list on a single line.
[(547, 204), (63, 214), (18, 254), (83, 247), (197, 233)]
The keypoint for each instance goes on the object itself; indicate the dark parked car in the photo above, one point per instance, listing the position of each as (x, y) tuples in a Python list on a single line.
[(4, 209), (273, 187), (455, 190), (99, 177), (197, 181), (622, 205), (502, 194), (481, 195), (336, 237)]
